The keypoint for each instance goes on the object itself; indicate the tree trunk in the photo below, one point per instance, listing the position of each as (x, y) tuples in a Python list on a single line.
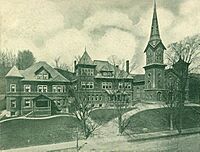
[(180, 118), (120, 123), (171, 121), (85, 128)]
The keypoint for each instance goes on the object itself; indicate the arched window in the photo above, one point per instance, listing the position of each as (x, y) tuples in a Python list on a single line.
[(149, 84), (159, 94)]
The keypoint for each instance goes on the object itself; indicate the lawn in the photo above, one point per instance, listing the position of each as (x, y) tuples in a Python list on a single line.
[(158, 120), (102, 116), (22, 133)]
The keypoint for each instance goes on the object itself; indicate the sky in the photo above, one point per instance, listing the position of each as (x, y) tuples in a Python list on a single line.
[(63, 28)]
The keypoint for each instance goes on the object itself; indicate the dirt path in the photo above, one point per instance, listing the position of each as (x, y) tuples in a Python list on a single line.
[(109, 131)]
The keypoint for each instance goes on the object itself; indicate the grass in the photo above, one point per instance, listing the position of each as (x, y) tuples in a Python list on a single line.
[(2, 102), (102, 116), (22, 133), (158, 120)]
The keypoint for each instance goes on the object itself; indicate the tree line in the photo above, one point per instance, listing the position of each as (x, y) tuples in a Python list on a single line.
[(23, 59)]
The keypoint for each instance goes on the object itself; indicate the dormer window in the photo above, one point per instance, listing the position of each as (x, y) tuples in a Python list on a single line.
[(39, 76), (42, 74), (45, 76)]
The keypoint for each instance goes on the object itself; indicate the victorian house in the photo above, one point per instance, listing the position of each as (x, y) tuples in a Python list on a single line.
[(36, 90)]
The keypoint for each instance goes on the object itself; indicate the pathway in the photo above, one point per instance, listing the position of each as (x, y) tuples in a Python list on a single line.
[(109, 131)]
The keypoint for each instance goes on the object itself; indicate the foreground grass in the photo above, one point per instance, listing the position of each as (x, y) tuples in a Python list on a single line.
[(102, 116), (158, 120), (22, 133)]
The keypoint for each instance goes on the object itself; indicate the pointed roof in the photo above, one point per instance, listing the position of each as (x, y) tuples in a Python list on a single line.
[(155, 34), (14, 72), (155, 39), (85, 59)]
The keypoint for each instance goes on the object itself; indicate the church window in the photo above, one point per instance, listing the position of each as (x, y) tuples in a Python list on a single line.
[(159, 84), (149, 84)]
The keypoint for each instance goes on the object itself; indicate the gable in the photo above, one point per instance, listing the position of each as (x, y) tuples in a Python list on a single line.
[(154, 47), (85, 59), (31, 73), (42, 73)]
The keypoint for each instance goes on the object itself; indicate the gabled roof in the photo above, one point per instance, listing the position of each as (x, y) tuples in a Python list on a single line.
[(41, 96), (171, 70), (138, 77), (85, 59), (106, 66), (14, 72), (154, 46), (67, 74), (103, 66), (29, 73)]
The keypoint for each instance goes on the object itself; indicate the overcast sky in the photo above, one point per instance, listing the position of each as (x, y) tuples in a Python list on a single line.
[(51, 28)]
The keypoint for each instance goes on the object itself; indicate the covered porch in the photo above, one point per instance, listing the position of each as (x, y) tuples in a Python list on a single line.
[(42, 106)]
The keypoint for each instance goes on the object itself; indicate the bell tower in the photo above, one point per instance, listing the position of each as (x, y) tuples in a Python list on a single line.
[(154, 68)]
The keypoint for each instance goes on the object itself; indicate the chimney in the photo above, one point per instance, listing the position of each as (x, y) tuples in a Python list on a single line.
[(127, 66), (74, 66)]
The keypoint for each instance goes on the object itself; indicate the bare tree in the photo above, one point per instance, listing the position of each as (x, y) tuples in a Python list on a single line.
[(171, 100), (82, 108), (119, 95), (57, 61), (60, 65), (187, 50), (7, 58)]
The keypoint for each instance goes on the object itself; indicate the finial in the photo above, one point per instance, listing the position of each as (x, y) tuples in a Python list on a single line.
[(154, 4)]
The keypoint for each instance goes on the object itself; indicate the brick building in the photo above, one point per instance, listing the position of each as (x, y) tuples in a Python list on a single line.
[(36, 90)]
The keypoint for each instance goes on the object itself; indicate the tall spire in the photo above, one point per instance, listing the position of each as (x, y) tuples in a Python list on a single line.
[(155, 35)]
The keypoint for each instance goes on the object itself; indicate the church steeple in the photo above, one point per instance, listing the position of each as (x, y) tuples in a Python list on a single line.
[(155, 39), (155, 35)]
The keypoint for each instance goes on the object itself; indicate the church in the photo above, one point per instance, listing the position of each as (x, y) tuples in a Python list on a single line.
[(40, 88)]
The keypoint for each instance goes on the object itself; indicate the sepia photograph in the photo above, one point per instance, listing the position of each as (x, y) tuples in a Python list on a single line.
[(99, 76)]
